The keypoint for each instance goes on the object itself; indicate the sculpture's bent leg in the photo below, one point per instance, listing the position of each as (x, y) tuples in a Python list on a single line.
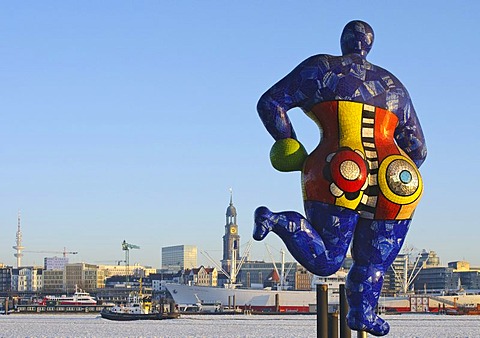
[(376, 243), (320, 244)]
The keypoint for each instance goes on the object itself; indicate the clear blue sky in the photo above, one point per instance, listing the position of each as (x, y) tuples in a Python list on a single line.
[(132, 119)]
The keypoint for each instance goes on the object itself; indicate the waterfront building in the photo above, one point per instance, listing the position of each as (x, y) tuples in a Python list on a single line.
[(164, 276), (29, 279), (133, 282), (143, 271), (470, 280), (469, 277), (437, 279), (303, 279), (6, 275), (86, 276), (55, 263), (459, 266), (114, 270), (157, 284), (54, 281), (179, 257), (202, 276), (123, 270), (231, 238)]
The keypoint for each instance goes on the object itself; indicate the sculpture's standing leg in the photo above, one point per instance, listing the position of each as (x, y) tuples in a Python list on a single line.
[(319, 243), (376, 244)]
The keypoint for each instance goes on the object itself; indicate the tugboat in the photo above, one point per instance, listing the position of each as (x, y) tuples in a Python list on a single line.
[(139, 309)]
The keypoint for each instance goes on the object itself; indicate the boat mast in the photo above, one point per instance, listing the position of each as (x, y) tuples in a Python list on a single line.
[(281, 273), (218, 266), (405, 276)]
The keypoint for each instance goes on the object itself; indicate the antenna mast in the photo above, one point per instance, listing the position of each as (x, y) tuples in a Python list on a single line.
[(18, 247)]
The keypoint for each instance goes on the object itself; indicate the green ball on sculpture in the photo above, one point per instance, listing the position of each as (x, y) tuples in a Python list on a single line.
[(288, 155)]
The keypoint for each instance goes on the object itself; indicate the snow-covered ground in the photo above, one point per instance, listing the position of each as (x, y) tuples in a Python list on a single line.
[(86, 325)]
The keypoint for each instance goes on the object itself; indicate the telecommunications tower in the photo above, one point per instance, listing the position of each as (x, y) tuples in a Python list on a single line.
[(18, 247)]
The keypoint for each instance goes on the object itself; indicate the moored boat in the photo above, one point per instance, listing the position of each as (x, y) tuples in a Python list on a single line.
[(124, 316), (190, 298), (193, 298), (138, 309), (79, 298)]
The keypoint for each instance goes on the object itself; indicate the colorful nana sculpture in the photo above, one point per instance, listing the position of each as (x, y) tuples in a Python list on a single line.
[(362, 181)]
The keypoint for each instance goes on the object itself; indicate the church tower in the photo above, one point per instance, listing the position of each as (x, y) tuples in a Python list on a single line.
[(231, 239)]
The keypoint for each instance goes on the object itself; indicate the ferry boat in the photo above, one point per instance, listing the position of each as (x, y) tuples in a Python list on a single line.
[(79, 298)]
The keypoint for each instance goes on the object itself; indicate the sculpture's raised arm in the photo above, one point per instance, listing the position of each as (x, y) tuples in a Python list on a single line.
[(409, 136), (290, 92)]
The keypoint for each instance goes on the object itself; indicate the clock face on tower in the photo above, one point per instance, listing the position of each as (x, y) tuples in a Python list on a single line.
[(233, 230)]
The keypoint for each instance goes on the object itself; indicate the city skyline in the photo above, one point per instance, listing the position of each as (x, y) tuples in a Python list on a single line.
[(124, 121), (206, 261)]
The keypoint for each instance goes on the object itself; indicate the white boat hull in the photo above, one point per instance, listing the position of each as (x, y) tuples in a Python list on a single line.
[(255, 299), (305, 301)]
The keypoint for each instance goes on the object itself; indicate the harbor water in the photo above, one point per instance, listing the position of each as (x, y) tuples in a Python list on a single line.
[(91, 325)]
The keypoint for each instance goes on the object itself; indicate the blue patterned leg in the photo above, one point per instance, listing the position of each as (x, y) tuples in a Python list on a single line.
[(376, 243), (320, 244)]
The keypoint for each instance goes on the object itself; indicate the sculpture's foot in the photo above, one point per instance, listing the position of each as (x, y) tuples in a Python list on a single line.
[(369, 322), (262, 225)]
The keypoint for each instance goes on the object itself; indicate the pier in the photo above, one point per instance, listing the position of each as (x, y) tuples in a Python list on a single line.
[(59, 309)]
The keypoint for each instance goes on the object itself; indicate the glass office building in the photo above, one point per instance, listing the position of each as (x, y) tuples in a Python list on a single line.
[(179, 257)]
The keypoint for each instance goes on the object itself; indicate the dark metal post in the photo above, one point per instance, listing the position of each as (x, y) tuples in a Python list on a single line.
[(277, 302), (333, 325), (322, 311), (361, 334), (344, 329)]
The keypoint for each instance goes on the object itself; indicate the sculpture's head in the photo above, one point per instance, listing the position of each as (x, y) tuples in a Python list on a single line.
[(357, 37)]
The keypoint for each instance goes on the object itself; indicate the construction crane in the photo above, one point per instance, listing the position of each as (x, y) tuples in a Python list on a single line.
[(126, 247), (64, 252)]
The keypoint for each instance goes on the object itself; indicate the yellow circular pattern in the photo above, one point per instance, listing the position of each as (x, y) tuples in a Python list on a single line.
[(386, 181), (233, 230)]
